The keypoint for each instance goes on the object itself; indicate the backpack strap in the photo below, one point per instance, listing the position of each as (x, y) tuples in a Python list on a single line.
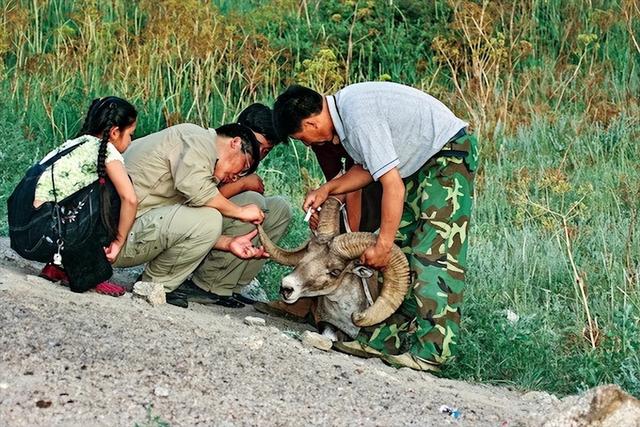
[(50, 160), (56, 154), (57, 257)]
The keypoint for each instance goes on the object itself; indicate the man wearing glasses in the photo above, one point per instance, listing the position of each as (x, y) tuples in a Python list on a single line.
[(184, 224)]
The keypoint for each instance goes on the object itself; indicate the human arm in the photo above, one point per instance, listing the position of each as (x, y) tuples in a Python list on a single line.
[(241, 246), (248, 213), (128, 205), (247, 183), (353, 203), (378, 255), (192, 166), (355, 178)]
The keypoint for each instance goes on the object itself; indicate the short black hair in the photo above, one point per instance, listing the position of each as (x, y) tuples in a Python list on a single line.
[(259, 118), (249, 142), (293, 106)]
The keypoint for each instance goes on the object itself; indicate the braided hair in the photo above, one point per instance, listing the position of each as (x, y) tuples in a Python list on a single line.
[(104, 114)]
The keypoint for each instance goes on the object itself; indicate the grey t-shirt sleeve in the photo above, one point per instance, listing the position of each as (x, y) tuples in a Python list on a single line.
[(374, 144)]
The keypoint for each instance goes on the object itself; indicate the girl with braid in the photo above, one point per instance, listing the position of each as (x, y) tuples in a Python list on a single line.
[(93, 159)]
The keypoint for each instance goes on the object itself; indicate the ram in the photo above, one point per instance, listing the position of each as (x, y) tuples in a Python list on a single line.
[(327, 267)]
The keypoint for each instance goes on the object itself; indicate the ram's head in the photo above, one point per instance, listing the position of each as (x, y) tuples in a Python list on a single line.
[(321, 263)]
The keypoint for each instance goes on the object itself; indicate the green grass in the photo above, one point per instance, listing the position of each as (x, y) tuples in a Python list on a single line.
[(558, 130), (519, 263)]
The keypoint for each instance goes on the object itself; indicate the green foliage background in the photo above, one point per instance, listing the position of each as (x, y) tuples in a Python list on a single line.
[(551, 88)]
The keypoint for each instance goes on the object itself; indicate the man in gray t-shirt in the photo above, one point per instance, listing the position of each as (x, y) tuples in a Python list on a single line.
[(425, 161)]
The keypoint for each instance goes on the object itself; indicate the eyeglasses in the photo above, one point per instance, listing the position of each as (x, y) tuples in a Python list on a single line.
[(247, 165)]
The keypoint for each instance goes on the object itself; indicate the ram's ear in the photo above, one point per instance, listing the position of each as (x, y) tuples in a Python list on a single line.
[(396, 278)]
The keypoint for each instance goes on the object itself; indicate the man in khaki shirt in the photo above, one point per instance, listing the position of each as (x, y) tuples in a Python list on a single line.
[(183, 224)]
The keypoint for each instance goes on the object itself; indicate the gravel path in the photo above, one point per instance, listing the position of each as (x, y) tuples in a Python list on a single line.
[(88, 359)]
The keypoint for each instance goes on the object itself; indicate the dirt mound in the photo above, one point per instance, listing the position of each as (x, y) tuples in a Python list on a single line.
[(89, 359)]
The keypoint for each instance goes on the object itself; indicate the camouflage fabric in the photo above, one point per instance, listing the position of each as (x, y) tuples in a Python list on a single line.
[(433, 234)]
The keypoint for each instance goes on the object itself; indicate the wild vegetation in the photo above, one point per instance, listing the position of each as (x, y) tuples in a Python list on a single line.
[(550, 87)]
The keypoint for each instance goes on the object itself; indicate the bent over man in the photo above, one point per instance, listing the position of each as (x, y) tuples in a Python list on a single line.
[(425, 161), (184, 224)]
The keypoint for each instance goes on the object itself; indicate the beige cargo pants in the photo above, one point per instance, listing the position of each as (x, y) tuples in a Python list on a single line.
[(177, 240)]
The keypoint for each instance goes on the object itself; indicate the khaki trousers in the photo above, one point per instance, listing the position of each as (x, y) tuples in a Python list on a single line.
[(177, 240), (222, 272)]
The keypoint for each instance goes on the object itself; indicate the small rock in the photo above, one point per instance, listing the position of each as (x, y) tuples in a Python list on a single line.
[(153, 293), (43, 403), (161, 391), (316, 340), (255, 345), (254, 321), (605, 406), (4, 386)]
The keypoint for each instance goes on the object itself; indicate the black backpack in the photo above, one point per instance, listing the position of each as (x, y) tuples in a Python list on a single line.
[(72, 226)]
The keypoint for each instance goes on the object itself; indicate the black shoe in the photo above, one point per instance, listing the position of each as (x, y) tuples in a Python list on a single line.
[(228, 301), (193, 293), (243, 299), (177, 298)]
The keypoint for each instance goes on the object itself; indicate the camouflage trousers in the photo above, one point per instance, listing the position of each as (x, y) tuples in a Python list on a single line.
[(433, 234)]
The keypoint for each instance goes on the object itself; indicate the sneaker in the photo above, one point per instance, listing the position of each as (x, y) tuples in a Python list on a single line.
[(407, 360), (54, 273), (111, 289), (192, 293), (278, 309), (356, 348)]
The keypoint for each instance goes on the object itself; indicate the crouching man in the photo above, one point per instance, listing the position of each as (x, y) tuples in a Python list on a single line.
[(185, 226)]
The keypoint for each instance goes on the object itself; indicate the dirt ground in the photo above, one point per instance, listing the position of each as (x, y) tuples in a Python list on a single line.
[(71, 359)]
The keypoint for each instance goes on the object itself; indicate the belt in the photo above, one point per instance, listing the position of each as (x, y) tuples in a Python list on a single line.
[(451, 147)]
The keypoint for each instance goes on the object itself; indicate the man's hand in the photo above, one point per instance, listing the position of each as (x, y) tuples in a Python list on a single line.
[(251, 213), (315, 198), (377, 256), (242, 247), (252, 183)]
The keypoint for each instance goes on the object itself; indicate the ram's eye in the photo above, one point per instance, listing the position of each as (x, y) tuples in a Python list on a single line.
[(335, 272)]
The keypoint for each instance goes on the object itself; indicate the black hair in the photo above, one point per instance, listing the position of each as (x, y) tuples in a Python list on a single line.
[(293, 106), (259, 118), (104, 114), (249, 142)]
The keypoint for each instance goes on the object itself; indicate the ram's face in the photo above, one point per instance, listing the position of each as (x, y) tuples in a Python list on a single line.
[(321, 264), (318, 273)]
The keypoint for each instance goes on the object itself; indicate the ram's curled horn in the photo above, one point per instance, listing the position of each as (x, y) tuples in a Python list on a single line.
[(329, 221), (290, 257), (396, 277)]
